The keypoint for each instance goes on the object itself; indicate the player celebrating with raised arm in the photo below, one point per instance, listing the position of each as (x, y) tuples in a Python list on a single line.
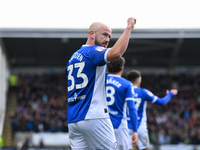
[(88, 119), (120, 93), (141, 98)]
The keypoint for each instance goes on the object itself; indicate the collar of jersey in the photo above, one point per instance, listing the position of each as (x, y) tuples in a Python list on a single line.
[(135, 86), (85, 45), (114, 75)]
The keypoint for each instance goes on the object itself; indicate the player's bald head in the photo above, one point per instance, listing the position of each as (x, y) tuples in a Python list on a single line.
[(96, 26)]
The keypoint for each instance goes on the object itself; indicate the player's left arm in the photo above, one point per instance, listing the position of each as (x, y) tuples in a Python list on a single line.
[(134, 139), (132, 109), (134, 121), (133, 114), (166, 98)]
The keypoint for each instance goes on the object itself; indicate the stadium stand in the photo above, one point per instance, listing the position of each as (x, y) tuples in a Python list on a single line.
[(43, 108), (40, 97), (42, 104)]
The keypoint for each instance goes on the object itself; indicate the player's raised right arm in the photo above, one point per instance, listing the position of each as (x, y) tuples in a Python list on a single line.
[(122, 43)]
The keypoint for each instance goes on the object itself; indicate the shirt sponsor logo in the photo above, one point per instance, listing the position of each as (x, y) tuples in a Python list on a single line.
[(76, 98)]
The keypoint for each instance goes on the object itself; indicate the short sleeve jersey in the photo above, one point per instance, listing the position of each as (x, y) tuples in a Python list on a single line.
[(141, 97), (86, 78), (119, 91)]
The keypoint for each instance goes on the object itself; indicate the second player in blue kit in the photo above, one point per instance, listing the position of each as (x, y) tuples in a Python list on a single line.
[(120, 94), (142, 96)]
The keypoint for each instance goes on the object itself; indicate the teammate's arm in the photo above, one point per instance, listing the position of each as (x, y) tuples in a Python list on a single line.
[(166, 99), (121, 45), (133, 114), (131, 107), (134, 139), (134, 121)]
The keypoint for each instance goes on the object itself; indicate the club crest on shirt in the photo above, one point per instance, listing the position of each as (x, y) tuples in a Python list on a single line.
[(99, 48)]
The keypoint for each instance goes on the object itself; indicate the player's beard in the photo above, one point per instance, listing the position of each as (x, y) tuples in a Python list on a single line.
[(96, 42)]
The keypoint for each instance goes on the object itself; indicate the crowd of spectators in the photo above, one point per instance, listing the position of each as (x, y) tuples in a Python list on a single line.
[(176, 122), (42, 106), (42, 103)]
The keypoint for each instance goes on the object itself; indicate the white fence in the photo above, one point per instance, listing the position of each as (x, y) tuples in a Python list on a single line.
[(48, 139), (61, 141)]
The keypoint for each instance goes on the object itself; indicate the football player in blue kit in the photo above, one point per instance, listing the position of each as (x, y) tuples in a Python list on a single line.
[(120, 94), (88, 119), (142, 96)]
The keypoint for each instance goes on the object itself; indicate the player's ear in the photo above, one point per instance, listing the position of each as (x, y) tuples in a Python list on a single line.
[(122, 68), (92, 34), (138, 81)]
